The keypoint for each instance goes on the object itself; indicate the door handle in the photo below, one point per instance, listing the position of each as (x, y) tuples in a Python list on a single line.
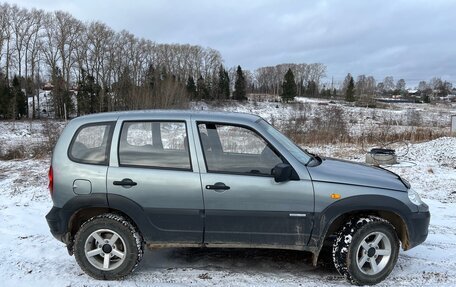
[(126, 182), (218, 186)]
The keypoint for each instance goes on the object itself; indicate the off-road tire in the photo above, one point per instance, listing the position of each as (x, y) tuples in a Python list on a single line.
[(134, 245), (346, 248)]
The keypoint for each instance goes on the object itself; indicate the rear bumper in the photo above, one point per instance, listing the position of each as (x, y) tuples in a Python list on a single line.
[(419, 226), (56, 221)]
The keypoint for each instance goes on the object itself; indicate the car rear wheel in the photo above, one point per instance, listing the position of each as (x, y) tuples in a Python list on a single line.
[(365, 251), (108, 247)]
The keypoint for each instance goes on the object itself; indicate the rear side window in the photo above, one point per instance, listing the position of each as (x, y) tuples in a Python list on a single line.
[(91, 144), (154, 144)]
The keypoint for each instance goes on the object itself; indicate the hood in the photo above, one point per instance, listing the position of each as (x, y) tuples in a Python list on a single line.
[(346, 172)]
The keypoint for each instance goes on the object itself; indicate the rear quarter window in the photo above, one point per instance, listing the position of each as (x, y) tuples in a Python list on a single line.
[(154, 144), (91, 143)]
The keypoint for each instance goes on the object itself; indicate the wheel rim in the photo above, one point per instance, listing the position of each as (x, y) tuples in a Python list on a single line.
[(105, 249), (373, 253)]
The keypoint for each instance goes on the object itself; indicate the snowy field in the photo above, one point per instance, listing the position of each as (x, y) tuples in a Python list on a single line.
[(400, 117), (30, 256)]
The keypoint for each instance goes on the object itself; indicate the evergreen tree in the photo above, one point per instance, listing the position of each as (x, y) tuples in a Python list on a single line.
[(5, 97), (325, 92), (94, 90), (151, 77), (350, 91), (425, 98), (223, 86), (191, 87), (89, 95), (123, 89), (239, 93), (20, 101), (312, 89), (202, 89), (289, 88)]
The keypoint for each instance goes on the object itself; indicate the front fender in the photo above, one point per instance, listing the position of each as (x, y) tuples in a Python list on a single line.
[(356, 204)]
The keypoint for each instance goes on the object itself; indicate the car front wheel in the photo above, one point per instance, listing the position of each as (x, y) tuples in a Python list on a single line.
[(365, 251)]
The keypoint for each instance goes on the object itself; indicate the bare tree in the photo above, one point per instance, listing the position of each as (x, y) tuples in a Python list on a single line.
[(32, 55), (7, 35), (370, 85), (422, 86), (400, 85), (49, 43), (22, 23), (4, 19), (269, 79), (388, 84), (360, 85), (68, 30)]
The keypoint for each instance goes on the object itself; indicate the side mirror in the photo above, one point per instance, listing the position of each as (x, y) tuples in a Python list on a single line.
[(282, 172)]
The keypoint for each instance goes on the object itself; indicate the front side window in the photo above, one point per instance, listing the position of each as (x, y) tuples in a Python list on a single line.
[(154, 144), (235, 149), (91, 144)]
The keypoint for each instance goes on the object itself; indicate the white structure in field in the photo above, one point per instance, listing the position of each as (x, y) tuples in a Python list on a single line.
[(453, 125)]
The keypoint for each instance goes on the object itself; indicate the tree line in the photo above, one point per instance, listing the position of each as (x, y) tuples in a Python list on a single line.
[(109, 70), (93, 68), (112, 70), (115, 70), (365, 89)]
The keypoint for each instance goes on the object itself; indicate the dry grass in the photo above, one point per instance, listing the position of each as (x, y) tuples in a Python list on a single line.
[(327, 128), (330, 126), (308, 126), (18, 152), (43, 149)]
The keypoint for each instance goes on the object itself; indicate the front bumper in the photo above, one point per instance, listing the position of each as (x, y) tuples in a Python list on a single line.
[(419, 226)]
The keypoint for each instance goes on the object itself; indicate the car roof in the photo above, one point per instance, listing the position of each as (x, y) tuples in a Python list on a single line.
[(200, 115)]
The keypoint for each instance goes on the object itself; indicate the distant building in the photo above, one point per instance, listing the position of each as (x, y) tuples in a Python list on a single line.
[(48, 87), (412, 92)]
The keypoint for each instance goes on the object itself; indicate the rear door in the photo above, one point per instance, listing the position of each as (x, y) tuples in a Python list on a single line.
[(244, 205), (154, 168)]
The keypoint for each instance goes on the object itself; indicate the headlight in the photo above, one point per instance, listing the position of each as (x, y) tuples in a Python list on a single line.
[(414, 197)]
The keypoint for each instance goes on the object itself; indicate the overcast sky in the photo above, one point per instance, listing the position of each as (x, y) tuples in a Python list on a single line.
[(414, 40)]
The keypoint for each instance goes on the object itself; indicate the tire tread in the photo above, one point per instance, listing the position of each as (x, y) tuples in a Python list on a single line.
[(342, 245), (108, 219)]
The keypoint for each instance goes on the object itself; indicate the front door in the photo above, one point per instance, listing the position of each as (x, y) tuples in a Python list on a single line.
[(154, 171), (243, 203)]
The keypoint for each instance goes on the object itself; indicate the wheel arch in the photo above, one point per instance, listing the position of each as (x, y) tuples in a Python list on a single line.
[(395, 219), (332, 218), (84, 214), (80, 209)]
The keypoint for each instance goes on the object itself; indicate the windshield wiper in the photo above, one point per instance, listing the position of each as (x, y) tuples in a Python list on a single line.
[(309, 161), (312, 158)]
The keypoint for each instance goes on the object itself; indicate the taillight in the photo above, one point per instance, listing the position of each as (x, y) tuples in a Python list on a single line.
[(51, 180)]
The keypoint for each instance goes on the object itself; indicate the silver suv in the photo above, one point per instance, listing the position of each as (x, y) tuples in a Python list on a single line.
[(120, 181)]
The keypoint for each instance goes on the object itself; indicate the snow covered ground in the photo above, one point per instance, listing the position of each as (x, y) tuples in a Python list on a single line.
[(29, 255)]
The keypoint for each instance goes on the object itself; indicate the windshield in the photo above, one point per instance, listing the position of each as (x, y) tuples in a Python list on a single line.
[(295, 150)]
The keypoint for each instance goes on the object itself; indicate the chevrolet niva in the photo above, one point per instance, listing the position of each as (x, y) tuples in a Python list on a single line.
[(122, 181)]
